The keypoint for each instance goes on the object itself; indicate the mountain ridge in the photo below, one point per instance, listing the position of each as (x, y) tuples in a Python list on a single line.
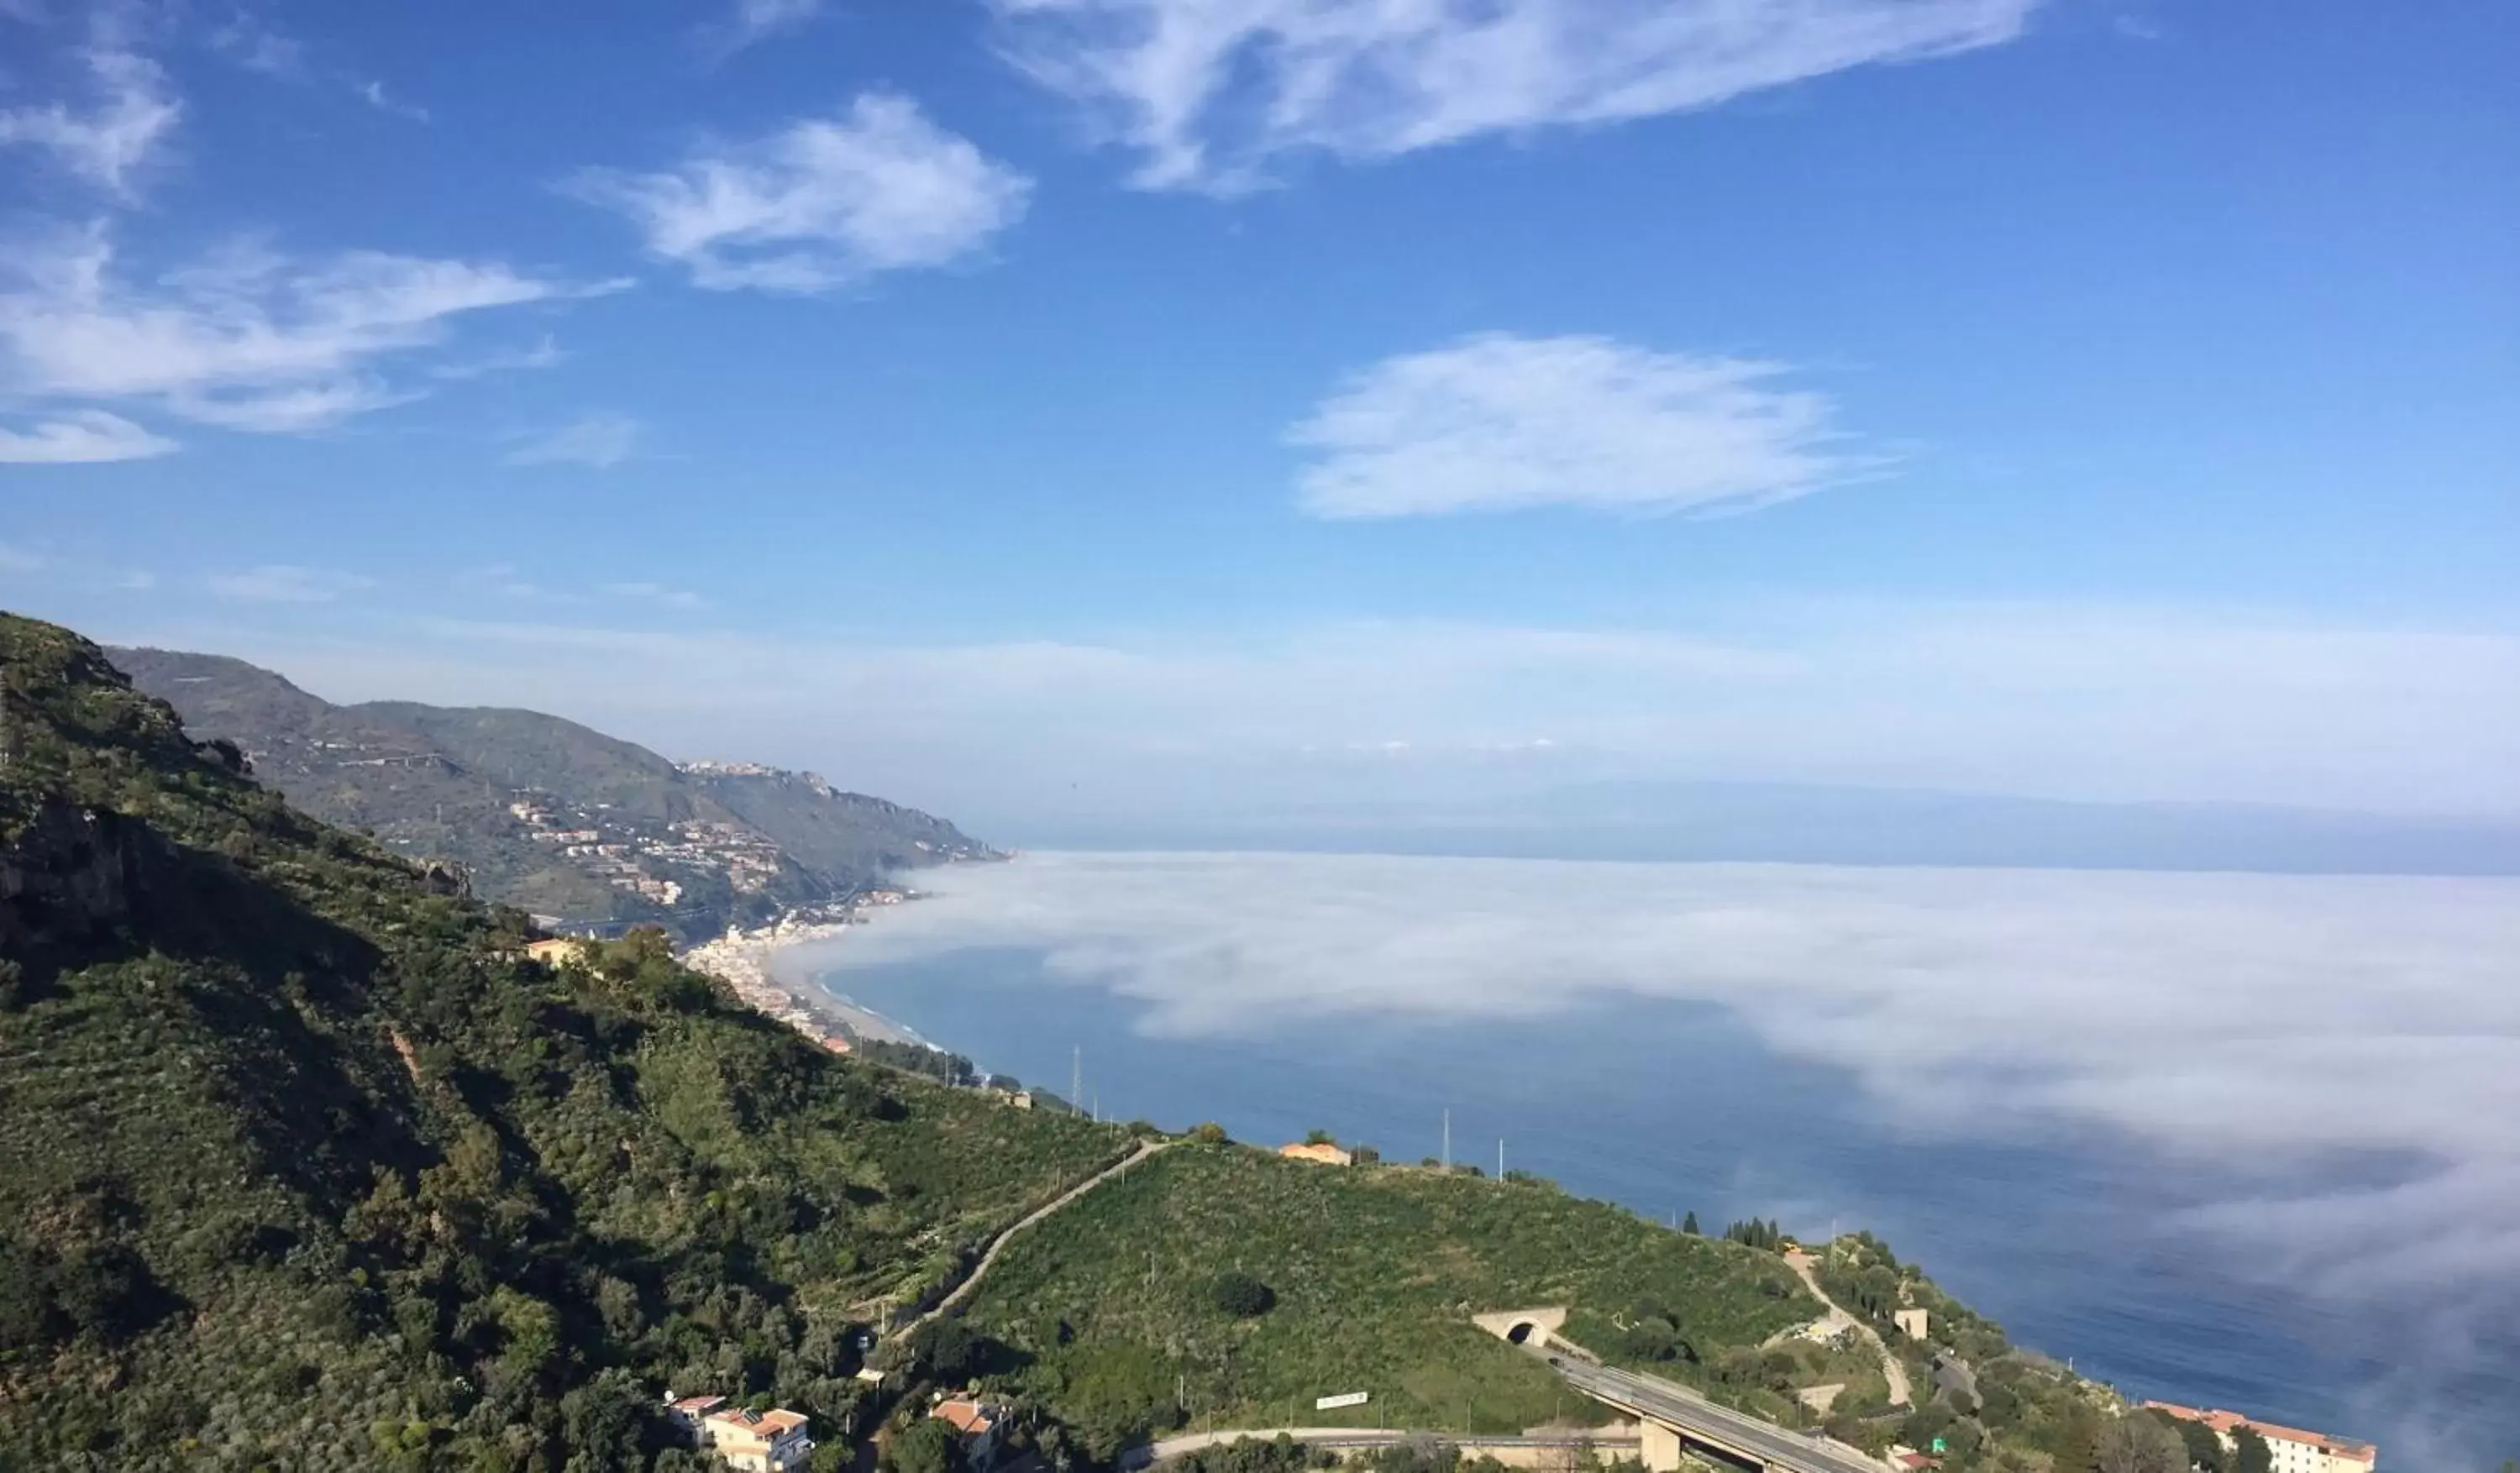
[(550, 814)]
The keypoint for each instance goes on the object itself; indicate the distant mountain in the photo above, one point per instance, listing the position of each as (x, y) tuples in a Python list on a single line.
[(547, 815)]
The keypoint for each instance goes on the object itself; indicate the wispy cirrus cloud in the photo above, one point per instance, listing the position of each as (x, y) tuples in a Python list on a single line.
[(81, 437), (254, 43), (248, 338), (372, 93), (597, 442), (285, 582), (656, 593), (1496, 422), (820, 204), (1210, 96), (130, 110), (751, 20), (505, 580)]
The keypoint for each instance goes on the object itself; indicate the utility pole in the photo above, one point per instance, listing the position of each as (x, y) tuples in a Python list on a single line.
[(1500, 1158), (1076, 1080), (1448, 1139)]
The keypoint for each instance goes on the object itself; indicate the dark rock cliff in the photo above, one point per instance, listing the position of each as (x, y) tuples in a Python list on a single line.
[(69, 873)]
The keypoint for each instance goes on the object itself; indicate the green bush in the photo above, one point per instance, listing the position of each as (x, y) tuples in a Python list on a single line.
[(1241, 1296)]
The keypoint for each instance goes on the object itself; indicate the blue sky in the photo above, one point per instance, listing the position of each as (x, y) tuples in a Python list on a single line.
[(1285, 399)]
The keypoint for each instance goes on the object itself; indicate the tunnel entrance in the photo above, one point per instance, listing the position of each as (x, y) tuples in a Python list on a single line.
[(1521, 1332)]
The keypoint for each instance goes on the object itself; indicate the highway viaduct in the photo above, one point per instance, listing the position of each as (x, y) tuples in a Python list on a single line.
[(1671, 1418)]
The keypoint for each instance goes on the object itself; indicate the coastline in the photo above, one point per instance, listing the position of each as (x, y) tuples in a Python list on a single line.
[(747, 961)]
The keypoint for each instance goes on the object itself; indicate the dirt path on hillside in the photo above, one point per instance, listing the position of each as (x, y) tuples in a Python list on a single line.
[(1891, 1371), (997, 1245)]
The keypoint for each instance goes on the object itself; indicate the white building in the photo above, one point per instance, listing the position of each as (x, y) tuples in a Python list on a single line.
[(750, 1441), (690, 1413), (759, 1441), (2294, 1450)]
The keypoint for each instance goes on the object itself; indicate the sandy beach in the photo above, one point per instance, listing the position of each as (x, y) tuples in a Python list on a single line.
[(758, 965)]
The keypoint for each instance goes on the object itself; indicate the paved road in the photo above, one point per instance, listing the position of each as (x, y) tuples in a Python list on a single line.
[(1891, 1369), (1367, 1437), (988, 1259), (1680, 1406)]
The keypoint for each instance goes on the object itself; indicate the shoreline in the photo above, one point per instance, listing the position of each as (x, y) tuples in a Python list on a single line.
[(747, 961)]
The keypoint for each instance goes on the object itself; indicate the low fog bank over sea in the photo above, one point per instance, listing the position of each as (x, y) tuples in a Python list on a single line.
[(2234, 1139)]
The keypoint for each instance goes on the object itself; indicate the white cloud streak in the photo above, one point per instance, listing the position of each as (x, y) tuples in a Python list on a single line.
[(282, 582), (108, 142), (374, 94), (751, 20), (597, 442), (76, 437), (246, 339), (656, 593), (1497, 423), (1211, 94), (258, 46), (821, 204)]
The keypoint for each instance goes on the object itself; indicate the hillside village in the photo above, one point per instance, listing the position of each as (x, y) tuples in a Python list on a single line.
[(581, 829), (655, 861)]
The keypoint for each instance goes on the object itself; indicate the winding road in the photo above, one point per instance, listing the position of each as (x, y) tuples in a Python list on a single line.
[(1891, 1371)]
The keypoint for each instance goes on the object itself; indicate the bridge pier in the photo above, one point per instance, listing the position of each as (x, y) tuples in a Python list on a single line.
[(1659, 1448)]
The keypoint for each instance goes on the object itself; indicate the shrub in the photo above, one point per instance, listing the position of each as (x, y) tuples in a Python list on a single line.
[(1241, 1296)]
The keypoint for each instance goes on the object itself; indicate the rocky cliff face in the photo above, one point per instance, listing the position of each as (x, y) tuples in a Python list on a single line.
[(68, 874)]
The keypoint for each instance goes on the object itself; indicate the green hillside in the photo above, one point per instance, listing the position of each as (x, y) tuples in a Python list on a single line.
[(302, 1166), (444, 783), (1372, 1276)]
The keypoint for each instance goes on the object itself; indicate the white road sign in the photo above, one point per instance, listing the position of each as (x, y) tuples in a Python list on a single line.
[(1351, 1398)]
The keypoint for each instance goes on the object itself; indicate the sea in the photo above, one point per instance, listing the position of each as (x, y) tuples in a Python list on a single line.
[(2075, 1240)]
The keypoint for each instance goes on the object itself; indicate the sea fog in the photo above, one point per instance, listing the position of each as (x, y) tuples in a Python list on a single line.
[(2235, 1139)]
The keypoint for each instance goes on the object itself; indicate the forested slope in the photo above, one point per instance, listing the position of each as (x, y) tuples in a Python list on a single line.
[(304, 1165)]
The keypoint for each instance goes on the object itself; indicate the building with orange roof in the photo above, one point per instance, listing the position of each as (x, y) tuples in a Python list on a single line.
[(689, 1413), (2294, 1448), (977, 1423), (758, 1442)]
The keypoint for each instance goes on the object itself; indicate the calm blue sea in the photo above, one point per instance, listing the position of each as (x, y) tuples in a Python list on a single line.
[(2073, 1243)]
